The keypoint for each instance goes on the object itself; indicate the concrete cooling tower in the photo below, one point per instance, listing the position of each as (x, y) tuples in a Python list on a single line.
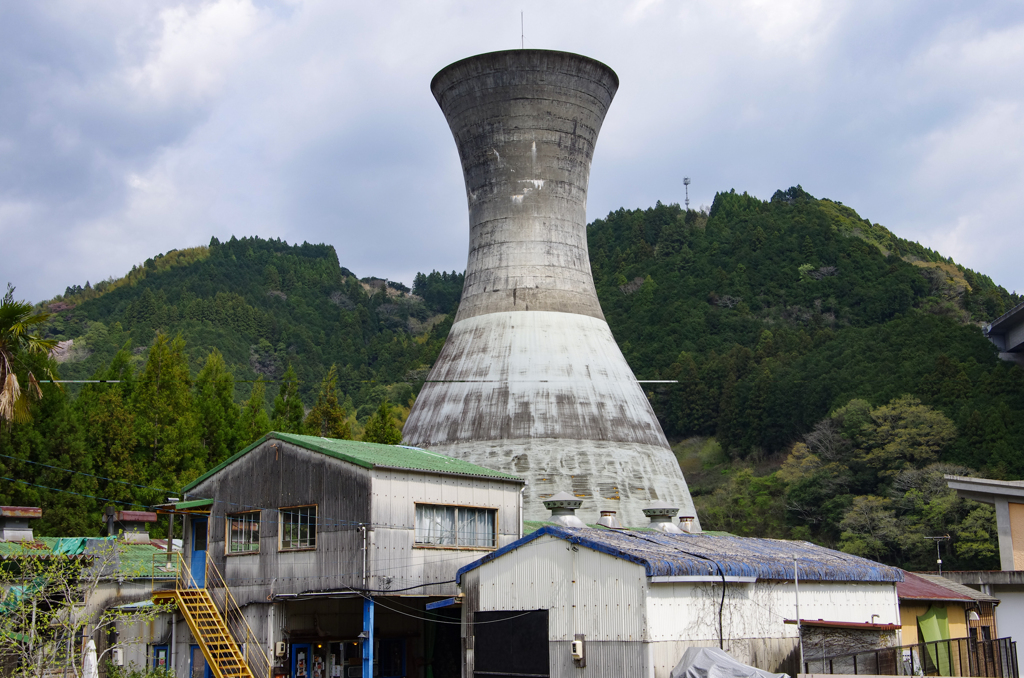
[(530, 380)]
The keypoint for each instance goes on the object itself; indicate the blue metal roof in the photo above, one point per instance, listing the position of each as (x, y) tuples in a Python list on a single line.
[(709, 555)]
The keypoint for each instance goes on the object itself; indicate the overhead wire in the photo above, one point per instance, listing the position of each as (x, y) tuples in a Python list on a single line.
[(80, 494), (83, 473), (240, 507)]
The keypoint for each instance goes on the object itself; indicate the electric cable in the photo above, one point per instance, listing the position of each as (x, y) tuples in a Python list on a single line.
[(54, 489), (83, 473)]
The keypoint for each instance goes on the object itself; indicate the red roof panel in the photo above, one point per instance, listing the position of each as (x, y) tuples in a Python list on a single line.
[(918, 588)]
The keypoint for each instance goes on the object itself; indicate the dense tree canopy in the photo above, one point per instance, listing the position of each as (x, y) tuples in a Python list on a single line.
[(829, 373)]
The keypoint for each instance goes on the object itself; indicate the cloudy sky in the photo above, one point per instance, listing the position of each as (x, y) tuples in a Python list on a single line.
[(130, 128)]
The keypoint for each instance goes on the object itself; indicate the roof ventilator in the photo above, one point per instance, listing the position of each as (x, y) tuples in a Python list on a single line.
[(563, 509), (14, 522), (131, 526), (661, 515), (609, 520)]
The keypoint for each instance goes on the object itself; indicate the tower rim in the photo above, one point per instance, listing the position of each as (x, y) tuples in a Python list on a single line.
[(496, 53)]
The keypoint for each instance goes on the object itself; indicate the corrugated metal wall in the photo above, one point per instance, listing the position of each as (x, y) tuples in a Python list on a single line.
[(396, 562), (605, 659), (279, 474), (583, 589), (690, 611), (630, 624), (779, 655)]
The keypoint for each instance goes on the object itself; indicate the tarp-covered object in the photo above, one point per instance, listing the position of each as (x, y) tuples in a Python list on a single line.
[(710, 662)]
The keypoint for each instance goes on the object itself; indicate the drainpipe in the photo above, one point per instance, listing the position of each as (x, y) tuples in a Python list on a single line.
[(522, 491), (174, 642), (365, 553), (270, 634)]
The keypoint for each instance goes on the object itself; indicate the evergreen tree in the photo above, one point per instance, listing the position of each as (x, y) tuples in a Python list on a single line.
[(166, 423), (108, 424), (216, 411), (328, 419), (288, 410), (381, 427), (254, 423)]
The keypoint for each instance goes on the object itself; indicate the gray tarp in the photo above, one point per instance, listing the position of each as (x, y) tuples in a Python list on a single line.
[(710, 662)]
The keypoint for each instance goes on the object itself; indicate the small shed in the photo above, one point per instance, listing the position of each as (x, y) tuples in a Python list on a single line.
[(581, 601), (948, 610)]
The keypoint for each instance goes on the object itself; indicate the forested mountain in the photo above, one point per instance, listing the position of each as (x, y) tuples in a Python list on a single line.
[(840, 370), (829, 372)]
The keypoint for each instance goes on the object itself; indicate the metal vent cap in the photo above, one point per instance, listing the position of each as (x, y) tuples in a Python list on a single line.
[(562, 500)]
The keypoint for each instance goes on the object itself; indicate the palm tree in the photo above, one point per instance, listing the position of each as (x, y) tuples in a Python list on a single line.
[(16, 321)]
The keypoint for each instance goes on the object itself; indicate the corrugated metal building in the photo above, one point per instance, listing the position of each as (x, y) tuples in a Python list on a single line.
[(321, 540), (638, 599)]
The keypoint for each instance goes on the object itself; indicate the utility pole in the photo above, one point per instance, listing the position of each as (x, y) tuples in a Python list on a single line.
[(938, 555), (799, 631)]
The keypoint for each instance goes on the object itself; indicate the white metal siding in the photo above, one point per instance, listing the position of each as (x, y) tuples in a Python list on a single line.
[(585, 591), (395, 562), (690, 611)]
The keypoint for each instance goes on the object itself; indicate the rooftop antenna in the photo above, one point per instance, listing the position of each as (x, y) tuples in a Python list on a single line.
[(522, 32), (686, 183)]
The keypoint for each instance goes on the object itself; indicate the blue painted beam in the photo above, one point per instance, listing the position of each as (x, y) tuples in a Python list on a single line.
[(447, 602), (368, 609)]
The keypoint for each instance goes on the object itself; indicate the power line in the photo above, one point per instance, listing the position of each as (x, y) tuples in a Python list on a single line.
[(83, 473), (54, 489), (351, 524)]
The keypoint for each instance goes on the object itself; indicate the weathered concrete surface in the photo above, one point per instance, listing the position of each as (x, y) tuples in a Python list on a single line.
[(531, 379), (525, 123), (609, 476), (532, 375)]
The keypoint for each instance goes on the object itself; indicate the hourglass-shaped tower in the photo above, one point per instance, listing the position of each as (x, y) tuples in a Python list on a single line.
[(530, 380)]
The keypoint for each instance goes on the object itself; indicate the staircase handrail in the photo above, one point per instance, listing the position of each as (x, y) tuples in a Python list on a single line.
[(232, 612), (164, 564)]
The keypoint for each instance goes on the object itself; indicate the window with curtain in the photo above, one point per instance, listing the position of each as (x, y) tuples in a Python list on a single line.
[(298, 528), (244, 532), (456, 526)]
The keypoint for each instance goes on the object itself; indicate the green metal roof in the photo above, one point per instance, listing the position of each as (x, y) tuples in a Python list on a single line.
[(134, 560), (370, 455), (195, 503), (45, 546)]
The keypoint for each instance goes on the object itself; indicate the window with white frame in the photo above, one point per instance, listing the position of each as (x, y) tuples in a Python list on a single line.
[(298, 528), (244, 532), (455, 526)]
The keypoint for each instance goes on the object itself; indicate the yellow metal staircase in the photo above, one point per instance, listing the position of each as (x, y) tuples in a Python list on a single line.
[(208, 621)]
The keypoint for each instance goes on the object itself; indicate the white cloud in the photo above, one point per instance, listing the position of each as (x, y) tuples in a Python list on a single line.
[(196, 50), (128, 129)]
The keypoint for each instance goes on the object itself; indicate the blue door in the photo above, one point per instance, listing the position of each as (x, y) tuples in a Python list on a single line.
[(160, 658), (199, 551), (301, 660)]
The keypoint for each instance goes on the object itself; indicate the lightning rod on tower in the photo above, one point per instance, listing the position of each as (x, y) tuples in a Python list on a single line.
[(686, 183)]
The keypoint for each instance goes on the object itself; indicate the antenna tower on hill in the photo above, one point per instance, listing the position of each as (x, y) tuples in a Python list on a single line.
[(686, 183)]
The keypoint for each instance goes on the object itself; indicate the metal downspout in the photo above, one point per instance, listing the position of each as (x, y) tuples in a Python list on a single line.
[(519, 535)]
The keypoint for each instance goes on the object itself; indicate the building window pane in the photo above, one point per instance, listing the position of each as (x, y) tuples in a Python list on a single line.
[(456, 526), (476, 527), (244, 533), (298, 527)]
